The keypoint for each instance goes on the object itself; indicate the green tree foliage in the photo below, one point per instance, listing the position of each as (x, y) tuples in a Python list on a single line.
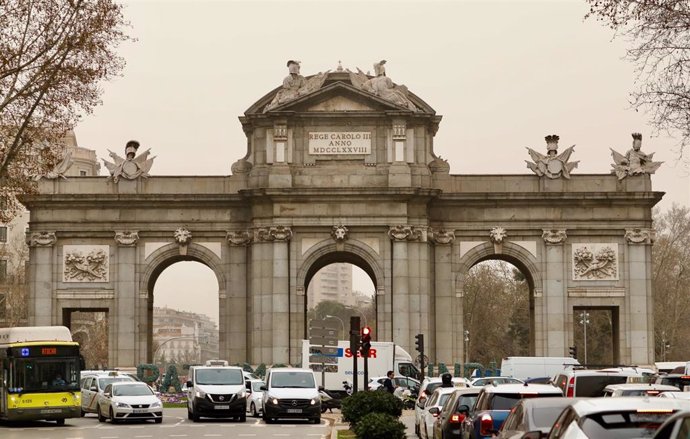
[(53, 56), (379, 426), (171, 379), (659, 35), (342, 312), (148, 373), (355, 407), (671, 283), (260, 371)]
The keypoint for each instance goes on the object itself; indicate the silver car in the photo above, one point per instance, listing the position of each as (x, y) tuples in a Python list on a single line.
[(93, 385), (129, 401), (255, 397)]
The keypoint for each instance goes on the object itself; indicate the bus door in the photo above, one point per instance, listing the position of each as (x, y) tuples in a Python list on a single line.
[(4, 381)]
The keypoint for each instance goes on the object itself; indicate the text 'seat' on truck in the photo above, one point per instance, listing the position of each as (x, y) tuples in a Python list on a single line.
[(338, 362)]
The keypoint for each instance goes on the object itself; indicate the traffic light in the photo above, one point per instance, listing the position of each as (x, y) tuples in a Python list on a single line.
[(573, 351), (419, 343), (366, 341)]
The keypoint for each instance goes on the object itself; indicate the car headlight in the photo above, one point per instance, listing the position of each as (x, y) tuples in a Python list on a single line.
[(314, 401), (122, 405), (241, 394), (156, 405), (273, 401), (200, 394)]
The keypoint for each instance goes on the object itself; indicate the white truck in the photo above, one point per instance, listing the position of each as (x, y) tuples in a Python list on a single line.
[(524, 368), (338, 362)]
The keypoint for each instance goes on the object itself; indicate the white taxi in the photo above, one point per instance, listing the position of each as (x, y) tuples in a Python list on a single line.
[(93, 384), (125, 401)]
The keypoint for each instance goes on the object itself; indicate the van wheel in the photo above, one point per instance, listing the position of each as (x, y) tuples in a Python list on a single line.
[(252, 409), (60, 421), (242, 418), (316, 420)]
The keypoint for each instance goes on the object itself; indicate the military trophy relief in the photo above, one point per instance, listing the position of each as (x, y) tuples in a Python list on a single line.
[(595, 261), (85, 263), (58, 171), (552, 165), (132, 166), (382, 86), (296, 85), (634, 162)]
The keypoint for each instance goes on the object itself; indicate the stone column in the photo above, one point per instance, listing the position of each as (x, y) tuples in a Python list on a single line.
[(233, 344), (400, 292), (41, 282), (553, 330), (127, 302), (640, 302), (259, 310), (280, 292), (442, 319)]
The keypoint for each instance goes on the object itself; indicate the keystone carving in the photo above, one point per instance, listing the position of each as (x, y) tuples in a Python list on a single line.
[(554, 236), (404, 233), (182, 236), (42, 239), (497, 235), (127, 239), (640, 236), (442, 236), (239, 238), (275, 233), (339, 233)]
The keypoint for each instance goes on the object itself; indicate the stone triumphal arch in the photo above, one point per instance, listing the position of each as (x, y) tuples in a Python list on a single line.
[(340, 167)]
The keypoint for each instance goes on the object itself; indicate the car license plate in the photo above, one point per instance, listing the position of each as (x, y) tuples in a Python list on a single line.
[(51, 411), (294, 410), (138, 410), (222, 407)]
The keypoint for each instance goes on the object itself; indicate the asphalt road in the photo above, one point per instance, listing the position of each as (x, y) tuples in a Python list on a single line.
[(175, 425)]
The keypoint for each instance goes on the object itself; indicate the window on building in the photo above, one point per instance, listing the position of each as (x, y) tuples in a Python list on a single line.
[(3, 305), (82, 173), (3, 233), (3, 270)]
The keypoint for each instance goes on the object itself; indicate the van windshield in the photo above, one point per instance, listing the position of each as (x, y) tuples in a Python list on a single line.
[(218, 376), (299, 380)]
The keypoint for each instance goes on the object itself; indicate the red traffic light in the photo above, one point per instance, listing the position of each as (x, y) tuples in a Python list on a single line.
[(366, 331)]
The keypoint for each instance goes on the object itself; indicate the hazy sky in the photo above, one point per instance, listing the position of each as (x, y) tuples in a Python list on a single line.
[(502, 74)]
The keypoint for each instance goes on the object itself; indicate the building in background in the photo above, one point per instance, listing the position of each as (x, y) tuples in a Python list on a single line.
[(183, 337)]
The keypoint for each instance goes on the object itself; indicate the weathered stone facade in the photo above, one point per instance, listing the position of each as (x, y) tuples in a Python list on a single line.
[(372, 174)]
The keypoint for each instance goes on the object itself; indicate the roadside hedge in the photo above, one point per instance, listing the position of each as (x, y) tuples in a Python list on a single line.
[(379, 426), (362, 403)]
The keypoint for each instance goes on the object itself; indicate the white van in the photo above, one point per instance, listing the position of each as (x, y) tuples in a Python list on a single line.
[(291, 393), (216, 392), (524, 368)]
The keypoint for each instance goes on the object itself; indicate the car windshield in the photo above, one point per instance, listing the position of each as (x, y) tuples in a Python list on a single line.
[(132, 390), (219, 376), (303, 380), (103, 382), (623, 424)]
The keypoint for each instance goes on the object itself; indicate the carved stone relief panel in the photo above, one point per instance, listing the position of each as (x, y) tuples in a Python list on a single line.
[(85, 263), (595, 261)]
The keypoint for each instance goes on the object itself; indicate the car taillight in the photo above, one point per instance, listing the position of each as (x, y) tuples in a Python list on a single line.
[(486, 425), (457, 418), (571, 388)]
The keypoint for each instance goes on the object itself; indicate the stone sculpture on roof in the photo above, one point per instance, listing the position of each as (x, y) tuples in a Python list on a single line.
[(130, 167), (59, 170), (296, 85), (634, 161), (552, 165), (382, 86)]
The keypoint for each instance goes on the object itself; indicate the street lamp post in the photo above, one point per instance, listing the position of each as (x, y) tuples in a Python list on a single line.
[(328, 316), (186, 337), (584, 321), (467, 344), (363, 316)]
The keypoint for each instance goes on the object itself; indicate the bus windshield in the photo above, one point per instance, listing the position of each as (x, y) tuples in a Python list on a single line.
[(43, 375)]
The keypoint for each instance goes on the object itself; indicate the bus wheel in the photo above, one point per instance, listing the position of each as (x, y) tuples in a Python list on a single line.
[(60, 421)]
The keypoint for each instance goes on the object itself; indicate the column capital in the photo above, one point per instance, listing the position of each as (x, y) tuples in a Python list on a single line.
[(273, 233), (640, 236), (442, 236), (41, 239), (554, 236), (405, 233), (239, 238), (127, 239)]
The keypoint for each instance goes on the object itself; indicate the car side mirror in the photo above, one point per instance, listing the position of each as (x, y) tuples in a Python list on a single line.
[(189, 384), (264, 388), (434, 410), (532, 435)]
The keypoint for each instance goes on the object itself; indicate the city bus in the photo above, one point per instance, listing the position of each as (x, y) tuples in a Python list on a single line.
[(40, 368)]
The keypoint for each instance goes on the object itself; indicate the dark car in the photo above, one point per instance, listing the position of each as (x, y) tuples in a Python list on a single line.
[(495, 402), (674, 379), (533, 418), (454, 413), (675, 427)]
